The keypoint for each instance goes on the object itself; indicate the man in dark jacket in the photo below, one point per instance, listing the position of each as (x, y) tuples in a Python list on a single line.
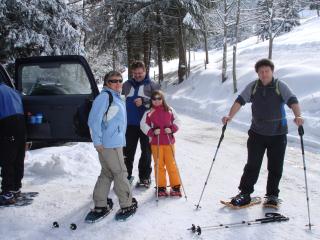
[(137, 92), (12, 143), (268, 131)]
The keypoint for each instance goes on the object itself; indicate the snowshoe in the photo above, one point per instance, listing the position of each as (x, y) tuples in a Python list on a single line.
[(19, 195), (162, 192), (127, 212), (175, 191), (98, 213), (16, 194), (271, 202), (145, 183), (241, 201)]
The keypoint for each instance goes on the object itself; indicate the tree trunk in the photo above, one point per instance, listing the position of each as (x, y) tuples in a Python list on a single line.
[(234, 68), (182, 52), (189, 56), (159, 50), (224, 57), (270, 47), (234, 52), (270, 29), (129, 54), (146, 50), (206, 43), (114, 57)]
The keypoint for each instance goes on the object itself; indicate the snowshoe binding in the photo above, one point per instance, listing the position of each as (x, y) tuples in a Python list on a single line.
[(98, 213), (126, 212), (271, 202), (162, 192), (175, 192), (241, 201)]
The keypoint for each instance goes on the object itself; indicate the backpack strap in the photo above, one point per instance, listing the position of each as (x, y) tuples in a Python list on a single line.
[(276, 82), (254, 88), (110, 101)]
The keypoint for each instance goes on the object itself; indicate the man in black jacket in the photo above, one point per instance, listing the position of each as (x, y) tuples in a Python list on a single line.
[(12, 143), (268, 131)]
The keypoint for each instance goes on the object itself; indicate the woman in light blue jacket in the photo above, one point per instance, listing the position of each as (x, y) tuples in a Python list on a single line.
[(107, 123)]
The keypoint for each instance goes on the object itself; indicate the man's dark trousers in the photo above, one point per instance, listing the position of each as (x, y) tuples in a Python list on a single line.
[(133, 135), (257, 144), (12, 151)]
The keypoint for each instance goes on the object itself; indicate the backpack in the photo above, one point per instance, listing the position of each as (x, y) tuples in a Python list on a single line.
[(80, 119), (255, 86)]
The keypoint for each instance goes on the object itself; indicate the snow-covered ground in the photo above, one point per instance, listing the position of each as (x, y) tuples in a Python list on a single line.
[(65, 176)]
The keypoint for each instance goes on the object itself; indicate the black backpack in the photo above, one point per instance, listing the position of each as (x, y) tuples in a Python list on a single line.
[(80, 119)]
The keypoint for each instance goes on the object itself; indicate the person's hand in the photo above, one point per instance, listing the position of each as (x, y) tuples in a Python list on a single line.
[(299, 121), (99, 148), (168, 130), (156, 131), (138, 102), (226, 119)]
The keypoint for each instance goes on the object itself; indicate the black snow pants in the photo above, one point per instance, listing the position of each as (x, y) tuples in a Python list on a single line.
[(257, 144), (12, 151), (133, 135)]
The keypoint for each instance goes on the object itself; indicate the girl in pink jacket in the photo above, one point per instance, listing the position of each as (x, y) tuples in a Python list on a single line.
[(160, 123)]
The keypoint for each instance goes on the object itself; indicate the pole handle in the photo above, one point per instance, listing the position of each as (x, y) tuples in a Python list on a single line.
[(301, 130)]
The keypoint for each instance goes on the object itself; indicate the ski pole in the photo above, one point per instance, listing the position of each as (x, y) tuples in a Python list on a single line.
[(157, 173), (214, 158), (174, 159), (301, 132), (269, 217)]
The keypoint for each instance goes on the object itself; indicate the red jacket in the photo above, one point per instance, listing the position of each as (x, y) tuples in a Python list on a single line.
[(157, 117)]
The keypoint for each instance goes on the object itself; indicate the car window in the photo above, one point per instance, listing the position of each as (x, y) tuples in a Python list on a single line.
[(54, 79), (4, 77)]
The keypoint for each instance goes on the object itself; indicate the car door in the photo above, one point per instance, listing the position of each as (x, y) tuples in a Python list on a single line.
[(57, 95)]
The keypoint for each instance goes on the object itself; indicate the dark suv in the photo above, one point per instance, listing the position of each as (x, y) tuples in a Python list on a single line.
[(57, 93)]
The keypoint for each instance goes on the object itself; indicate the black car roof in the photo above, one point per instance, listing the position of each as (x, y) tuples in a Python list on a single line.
[(44, 59)]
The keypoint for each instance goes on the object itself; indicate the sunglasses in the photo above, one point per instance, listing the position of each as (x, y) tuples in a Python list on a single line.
[(156, 98), (115, 80)]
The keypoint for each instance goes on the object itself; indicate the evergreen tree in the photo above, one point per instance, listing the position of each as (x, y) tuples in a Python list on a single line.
[(37, 27), (315, 5)]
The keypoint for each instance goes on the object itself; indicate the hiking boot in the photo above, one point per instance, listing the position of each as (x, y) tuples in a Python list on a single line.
[(241, 199), (110, 203), (7, 198), (100, 211), (130, 179), (271, 201), (175, 191), (144, 183), (126, 212), (162, 192), (105, 209)]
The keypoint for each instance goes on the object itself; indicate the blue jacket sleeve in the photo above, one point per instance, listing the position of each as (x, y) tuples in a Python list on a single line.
[(95, 121)]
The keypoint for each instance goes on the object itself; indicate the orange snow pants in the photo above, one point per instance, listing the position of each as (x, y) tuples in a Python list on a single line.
[(166, 163)]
